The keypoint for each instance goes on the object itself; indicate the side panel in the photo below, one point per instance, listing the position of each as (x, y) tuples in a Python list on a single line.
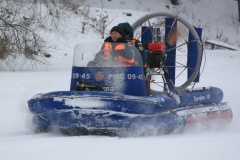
[(147, 36), (125, 80), (192, 54)]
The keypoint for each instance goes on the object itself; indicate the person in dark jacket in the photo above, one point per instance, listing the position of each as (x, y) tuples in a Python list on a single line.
[(116, 35), (128, 31)]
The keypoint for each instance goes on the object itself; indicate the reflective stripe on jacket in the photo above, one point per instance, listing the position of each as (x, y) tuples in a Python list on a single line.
[(108, 47)]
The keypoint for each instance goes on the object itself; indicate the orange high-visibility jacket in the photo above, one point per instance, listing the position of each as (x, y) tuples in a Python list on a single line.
[(108, 47)]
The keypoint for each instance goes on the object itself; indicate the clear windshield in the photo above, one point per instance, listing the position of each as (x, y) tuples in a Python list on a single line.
[(99, 54)]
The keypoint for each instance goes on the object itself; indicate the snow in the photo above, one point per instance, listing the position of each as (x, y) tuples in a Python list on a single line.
[(95, 102), (222, 68)]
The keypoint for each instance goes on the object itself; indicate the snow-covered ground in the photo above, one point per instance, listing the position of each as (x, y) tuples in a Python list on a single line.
[(18, 141)]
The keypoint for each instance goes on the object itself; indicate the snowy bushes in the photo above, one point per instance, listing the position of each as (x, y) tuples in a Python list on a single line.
[(22, 24), (17, 37)]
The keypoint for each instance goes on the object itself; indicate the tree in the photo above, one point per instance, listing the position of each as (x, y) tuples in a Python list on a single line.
[(17, 37), (22, 21)]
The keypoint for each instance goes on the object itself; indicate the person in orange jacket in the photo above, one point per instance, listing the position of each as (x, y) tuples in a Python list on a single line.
[(115, 50)]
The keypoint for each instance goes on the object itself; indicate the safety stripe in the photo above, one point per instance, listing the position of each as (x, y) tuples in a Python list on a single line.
[(119, 47), (107, 49), (125, 62), (209, 116), (220, 120)]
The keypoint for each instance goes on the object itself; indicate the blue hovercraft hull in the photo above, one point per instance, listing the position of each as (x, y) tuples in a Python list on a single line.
[(99, 112)]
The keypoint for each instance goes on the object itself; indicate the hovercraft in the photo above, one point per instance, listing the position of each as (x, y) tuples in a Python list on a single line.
[(111, 95)]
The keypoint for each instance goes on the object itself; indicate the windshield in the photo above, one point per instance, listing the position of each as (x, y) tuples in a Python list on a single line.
[(107, 54)]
